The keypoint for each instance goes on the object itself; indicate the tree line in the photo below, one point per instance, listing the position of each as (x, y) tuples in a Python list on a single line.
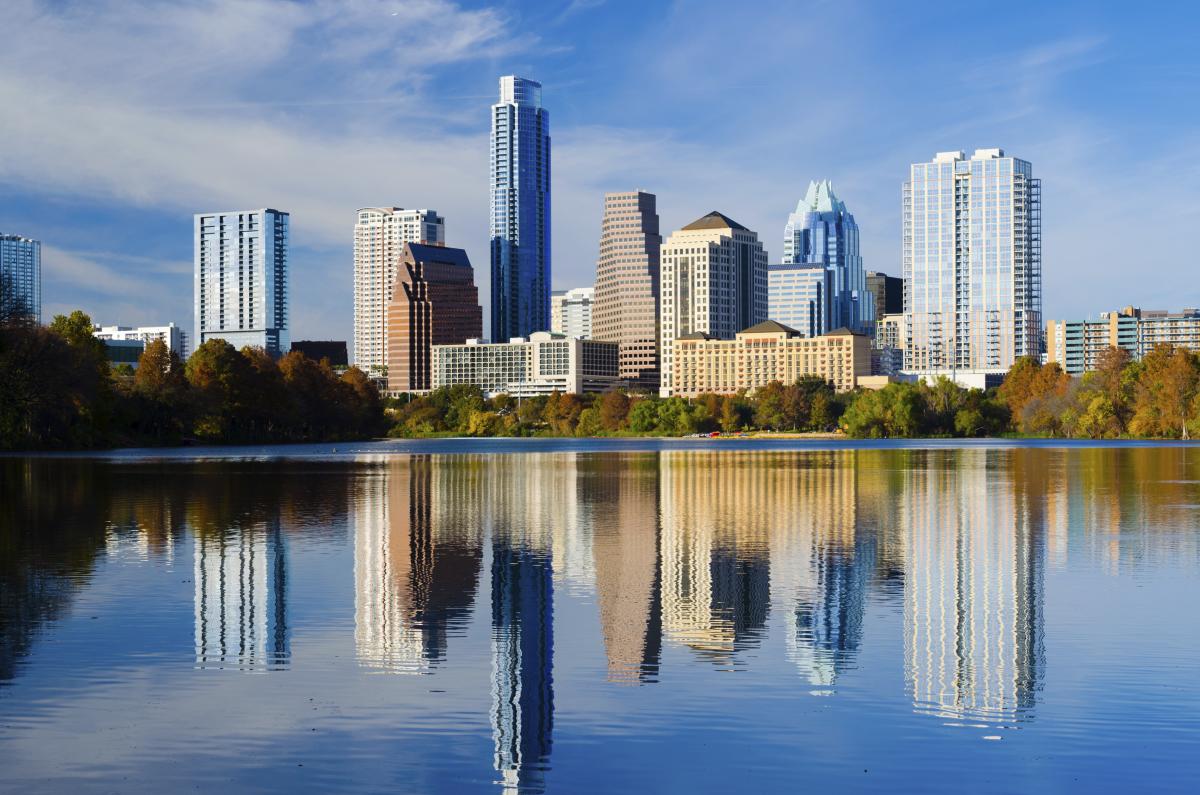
[(58, 390), (1157, 397)]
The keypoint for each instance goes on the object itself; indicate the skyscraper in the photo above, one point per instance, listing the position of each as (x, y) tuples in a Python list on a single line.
[(799, 296), (972, 263), (571, 311), (822, 232), (626, 306), (520, 220), (379, 237), (434, 302), (20, 276), (714, 281), (887, 292), (241, 285)]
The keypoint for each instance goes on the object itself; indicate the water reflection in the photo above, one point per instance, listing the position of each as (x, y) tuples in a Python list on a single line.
[(692, 561)]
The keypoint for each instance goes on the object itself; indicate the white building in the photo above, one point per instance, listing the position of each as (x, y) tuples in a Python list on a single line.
[(526, 366), (175, 338), (972, 264), (240, 279), (571, 311), (713, 281), (379, 237)]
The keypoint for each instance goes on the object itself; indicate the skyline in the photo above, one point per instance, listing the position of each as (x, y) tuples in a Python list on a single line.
[(108, 174)]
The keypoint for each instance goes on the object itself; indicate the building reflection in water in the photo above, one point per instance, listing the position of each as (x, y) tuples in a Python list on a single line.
[(974, 584), (714, 552), (240, 584), (417, 558)]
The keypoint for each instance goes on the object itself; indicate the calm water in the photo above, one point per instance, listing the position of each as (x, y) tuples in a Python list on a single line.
[(602, 617)]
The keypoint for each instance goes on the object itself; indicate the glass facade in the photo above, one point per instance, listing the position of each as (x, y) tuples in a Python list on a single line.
[(797, 296), (972, 263), (520, 217), (822, 232), (21, 270), (241, 287)]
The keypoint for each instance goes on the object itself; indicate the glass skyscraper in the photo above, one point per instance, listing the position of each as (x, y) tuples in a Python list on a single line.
[(798, 297), (972, 263), (21, 270), (520, 221), (241, 288), (822, 232)]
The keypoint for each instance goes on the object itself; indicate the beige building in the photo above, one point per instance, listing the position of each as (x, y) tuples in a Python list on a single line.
[(1077, 345), (539, 364), (379, 237), (714, 282), (625, 309), (764, 353)]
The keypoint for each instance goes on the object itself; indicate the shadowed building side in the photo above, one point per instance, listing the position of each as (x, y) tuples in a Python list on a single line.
[(434, 302)]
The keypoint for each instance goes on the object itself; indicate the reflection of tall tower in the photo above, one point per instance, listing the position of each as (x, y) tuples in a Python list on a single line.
[(240, 587), (414, 575), (973, 588), (523, 658), (715, 566), (624, 491)]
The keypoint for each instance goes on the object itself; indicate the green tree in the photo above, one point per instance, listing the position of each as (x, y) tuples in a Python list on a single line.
[(590, 422)]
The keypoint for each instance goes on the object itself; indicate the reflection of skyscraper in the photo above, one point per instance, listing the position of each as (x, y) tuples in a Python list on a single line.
[(240, 586), (715, 569), (415, 576), (624, 494), (973, 588), (523, 659)]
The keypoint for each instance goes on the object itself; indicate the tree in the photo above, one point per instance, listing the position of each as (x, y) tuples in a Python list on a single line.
[(590, 423), (731, 416), (221, 378), (1166, 386), (613, 409)]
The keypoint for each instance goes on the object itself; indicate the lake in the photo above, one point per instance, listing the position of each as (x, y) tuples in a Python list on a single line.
[(602, 616)]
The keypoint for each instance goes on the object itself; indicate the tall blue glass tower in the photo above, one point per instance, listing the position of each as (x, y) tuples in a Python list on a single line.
[(520, 211), (823, 232)]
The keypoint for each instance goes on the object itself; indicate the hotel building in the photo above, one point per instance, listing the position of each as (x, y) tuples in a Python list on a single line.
[(764, 353), (627, 278), (241, 284), (714, 282), (523, 367), (434, 302), (1077, 345), (380, 234), (972, 264)]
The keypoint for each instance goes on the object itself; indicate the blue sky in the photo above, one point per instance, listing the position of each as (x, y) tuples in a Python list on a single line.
[(124, 117)]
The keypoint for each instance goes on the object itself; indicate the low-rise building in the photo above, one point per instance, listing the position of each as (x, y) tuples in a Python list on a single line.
[(175, 338), (766, 352), (1077, 345), (539, 364)]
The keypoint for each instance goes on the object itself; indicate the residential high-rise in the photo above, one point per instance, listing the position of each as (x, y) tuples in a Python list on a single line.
[(714, 281), (571, 311), (520, 220), (434, 302), (1077, 345), (20, 276), (241, 284), (822, 232), (972, 263), (379, 237), (799, 296), (887, 292), (627, 272)]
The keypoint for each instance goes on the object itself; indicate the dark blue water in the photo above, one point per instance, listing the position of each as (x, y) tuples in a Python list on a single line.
[(602, 616)]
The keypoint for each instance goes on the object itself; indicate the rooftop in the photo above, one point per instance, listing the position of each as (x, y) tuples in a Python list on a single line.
[(714, 220), (770, 327)]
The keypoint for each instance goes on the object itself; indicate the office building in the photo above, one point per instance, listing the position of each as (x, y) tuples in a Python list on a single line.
[(241, 281), (380, 234), (823, 232), (434, 302), (20, 277), (764, 353), (571, 311), (1077, 345), (526, 366), (798, 296), (972, 264), (627, 272), (887, 350), (887, 293), (333, 351), (520, 219), (175, 338), (713, 282)]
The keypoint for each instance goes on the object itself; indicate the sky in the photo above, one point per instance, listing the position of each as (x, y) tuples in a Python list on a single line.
[(123, 118)]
